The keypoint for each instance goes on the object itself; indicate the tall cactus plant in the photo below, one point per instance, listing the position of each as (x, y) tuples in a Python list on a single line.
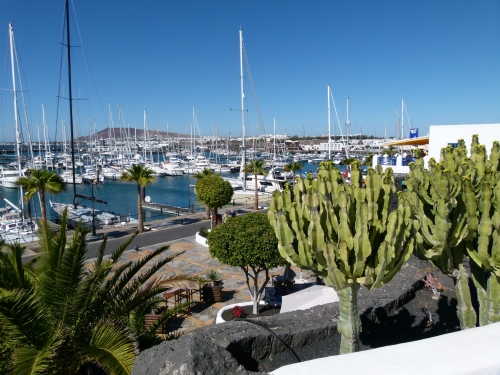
[(456, 215), (345, 234)]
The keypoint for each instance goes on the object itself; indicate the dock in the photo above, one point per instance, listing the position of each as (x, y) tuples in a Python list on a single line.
[(167, 209)]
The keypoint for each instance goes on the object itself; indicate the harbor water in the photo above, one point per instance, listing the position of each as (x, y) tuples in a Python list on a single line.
[(121, 197)]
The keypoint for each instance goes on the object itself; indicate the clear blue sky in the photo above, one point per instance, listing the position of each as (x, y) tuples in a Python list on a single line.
[(165, 57)]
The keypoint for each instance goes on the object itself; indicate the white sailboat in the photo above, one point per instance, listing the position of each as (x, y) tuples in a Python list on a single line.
[(244, 186)]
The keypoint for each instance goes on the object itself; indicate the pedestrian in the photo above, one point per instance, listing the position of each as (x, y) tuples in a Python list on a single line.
[(225, 216), (233, 214)]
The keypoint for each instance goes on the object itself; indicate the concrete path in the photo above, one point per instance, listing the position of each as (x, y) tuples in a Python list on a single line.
[(195, 261)]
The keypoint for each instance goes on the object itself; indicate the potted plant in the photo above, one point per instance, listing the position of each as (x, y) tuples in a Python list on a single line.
[(213, 292), (214, 277)]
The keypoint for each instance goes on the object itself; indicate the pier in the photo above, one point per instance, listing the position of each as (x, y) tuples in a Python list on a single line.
[(165, 208)]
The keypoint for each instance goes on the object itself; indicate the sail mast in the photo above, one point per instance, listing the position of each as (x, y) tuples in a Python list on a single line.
[(18, 142), (75, 204), (329, 133), (243, 154)]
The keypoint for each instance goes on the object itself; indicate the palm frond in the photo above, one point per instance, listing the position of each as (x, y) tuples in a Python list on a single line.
[(30, 361), (118, 252), (136, 267), (111, 347), (24, 319), (168, 313)]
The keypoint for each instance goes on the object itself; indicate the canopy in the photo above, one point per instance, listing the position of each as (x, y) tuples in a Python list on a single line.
[(409, 142)]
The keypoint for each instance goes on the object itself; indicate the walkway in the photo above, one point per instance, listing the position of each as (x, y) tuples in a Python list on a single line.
[(196, 261)]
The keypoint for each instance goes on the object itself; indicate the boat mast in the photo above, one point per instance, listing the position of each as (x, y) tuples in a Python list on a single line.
[(402, 118), (347, 126), (75, 204), (274, 142), (243, 151), (18, 141), (329, 135)]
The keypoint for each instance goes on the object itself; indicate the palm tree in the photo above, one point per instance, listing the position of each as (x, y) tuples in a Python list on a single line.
[(199, 175), (41, 181), (292, 167), (13, 272), (142, 176), (70, 317), (256, 167)]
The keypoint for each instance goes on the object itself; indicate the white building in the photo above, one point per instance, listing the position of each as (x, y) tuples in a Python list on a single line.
[(442, 135), (334, 146)]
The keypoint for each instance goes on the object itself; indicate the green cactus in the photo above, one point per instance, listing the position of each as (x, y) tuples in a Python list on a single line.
[(345, 234), (456, 214), (440, 213)]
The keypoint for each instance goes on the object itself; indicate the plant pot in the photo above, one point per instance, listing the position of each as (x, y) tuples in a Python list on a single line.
[(217, 283), (212, 294)]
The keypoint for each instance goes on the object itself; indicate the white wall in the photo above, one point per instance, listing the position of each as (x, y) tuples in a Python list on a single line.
[(441, 135)]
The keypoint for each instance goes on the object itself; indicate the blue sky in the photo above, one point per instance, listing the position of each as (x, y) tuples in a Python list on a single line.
[(165, 57)]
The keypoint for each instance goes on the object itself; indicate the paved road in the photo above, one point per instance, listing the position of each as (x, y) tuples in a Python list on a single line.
[(150, 238), (162, 232)]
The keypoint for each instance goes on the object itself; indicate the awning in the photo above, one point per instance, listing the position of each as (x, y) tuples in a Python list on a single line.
[(409, 142)]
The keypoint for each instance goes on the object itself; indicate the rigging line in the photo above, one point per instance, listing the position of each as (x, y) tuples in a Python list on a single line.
[(337, 115), (263, 132), (407, 117), (61, 63), (24, 99), (85, 59)]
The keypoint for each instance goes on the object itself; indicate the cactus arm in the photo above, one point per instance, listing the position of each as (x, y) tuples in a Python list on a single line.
[(494, 298), (337, 277), (478, 277), (349, 324), (344, 230), (484, 230), (465, 311)]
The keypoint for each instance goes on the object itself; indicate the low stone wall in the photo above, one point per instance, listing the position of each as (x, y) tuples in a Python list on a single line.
[(237, 347)]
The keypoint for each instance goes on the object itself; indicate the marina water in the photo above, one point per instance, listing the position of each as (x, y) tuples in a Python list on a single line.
[(121, 197)]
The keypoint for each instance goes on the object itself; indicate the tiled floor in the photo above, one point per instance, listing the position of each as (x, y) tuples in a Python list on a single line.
[(196, 261)]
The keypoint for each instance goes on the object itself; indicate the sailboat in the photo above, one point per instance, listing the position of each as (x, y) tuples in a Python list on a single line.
[(244, 186), (76, 212), (14, 226)]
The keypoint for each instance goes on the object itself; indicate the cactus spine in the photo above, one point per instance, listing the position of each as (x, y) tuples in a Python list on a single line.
[(345, 234)]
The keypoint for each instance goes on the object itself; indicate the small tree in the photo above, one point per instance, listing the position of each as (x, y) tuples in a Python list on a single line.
[(199, 175), (247, 242), (214, 192)]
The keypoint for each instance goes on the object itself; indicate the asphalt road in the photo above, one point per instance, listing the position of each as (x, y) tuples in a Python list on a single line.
[(150, 238), (172, 231)]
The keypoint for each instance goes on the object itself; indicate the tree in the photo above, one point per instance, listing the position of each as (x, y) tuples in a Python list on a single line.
[(142, 176), (389, 151), (248, 242), (69, 316), (214, 192), (292, 167), (256, 167), (369, 160), (41, 181), (199, 175), (346, 234)]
